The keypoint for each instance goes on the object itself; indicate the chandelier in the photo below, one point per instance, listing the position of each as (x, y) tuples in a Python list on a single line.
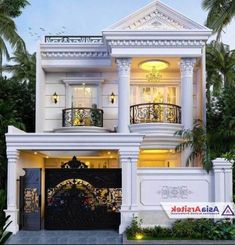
[(153, 67)]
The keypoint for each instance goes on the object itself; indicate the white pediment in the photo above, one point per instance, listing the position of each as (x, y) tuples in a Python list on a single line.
[(156, 16)]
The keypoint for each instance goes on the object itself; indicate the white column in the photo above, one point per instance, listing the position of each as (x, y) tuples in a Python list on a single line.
[(128, 161), (123, 65), (223, 180), (186, 68), (12, 198)]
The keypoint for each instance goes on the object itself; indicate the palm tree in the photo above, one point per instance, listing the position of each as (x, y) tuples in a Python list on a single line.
[(221, 13), (8, 31), (196, 141), (220, 68), (24, 68)]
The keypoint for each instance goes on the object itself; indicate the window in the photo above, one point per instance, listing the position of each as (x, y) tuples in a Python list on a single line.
[(84, 95), (153, 94)]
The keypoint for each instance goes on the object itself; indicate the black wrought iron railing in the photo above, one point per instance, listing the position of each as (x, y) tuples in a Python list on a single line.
[(74, 39), (73, 117), (155, 113)]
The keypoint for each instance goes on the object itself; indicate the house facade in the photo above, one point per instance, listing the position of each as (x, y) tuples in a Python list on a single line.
[(112, 104)]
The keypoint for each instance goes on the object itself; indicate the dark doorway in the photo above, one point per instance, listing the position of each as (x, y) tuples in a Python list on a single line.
[(82, 198)]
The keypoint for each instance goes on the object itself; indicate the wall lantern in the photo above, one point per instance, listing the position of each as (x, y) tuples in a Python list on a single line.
[(55, 98), (112, 97)]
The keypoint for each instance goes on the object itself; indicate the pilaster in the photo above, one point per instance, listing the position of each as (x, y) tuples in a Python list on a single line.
[(123, 65), (223, 180), (12, 204), (128, 161)]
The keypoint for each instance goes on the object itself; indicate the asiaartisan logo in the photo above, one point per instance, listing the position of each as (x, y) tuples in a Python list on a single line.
[(199, 210)]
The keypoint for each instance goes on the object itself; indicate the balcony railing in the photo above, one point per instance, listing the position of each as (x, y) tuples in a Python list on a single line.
[(74, 117), (155, 113), (74, 39)]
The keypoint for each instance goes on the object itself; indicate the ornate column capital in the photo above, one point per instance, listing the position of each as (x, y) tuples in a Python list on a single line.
[(124, 65), (186, 66)]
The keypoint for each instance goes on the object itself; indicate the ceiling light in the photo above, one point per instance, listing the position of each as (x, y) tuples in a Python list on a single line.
[(153, 67), (148, 65)]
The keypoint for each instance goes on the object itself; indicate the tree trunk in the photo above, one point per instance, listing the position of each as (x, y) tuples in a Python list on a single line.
[(0, 64)]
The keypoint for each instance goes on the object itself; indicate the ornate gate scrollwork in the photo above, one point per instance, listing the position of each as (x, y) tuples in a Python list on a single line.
[(90, 198)]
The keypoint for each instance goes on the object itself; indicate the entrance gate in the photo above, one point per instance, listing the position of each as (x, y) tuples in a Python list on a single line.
[(82, 198)]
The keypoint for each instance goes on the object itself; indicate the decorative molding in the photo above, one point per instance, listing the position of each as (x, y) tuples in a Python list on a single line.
[(175, 192), (156, 11), (74, 39), (153, 19), (187, 66), (124, 65), (83, 54), (141, 43), (13, 155)]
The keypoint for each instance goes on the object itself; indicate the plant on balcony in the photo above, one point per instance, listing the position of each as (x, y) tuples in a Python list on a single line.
[(95, 115), (195, 140)]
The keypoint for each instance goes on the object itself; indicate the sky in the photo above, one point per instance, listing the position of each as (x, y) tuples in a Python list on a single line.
[(90, 17)]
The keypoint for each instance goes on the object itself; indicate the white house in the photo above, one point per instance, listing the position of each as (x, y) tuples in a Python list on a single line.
[(115, 102)]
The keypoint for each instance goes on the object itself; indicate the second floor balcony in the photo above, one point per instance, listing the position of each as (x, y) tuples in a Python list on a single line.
[(155, 113), (144, 118), (82, 120), (77, 117)]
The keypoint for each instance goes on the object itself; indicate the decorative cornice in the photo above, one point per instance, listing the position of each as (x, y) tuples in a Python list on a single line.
[(156, 43), (124, 65), (158, 16), (81, 54), (187, 66)]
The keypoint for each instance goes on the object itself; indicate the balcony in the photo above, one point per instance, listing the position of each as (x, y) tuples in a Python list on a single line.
[(85, 120), (155, 118)]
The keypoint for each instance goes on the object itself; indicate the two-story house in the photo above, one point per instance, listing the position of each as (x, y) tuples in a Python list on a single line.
[(114, 102)]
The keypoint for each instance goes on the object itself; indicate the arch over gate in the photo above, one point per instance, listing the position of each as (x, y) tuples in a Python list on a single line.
[(82, 198)]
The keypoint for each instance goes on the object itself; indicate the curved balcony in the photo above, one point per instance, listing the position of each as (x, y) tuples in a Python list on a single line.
[(155, 113), (82, 117), (155, 118), (85, 120)]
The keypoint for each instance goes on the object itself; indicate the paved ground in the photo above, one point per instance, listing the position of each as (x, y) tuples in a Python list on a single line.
[(66, 237)]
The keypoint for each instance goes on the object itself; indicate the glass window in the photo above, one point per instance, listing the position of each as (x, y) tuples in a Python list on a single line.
[(84, 96), (153, 94)]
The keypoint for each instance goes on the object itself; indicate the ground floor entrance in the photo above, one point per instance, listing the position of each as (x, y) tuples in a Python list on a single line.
[(82, 198), (75, 197)]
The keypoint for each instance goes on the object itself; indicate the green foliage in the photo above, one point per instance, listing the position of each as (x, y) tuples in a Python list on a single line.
[(222, 231), (220, 14), (196, 140), (4, 235), (198, 229), (192, 229), (221, 124), (134, 228), (158, 231), (13, 8)]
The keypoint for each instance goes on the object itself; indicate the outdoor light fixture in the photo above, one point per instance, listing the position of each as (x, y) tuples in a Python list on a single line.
[(139, 236), (112, 97), (55, 97), (153, 67)]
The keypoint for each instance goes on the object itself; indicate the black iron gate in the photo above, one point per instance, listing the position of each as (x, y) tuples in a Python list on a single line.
[(30, 199), (82, 198)]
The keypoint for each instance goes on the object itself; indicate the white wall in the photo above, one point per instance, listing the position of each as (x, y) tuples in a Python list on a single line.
[(53, 83), (170, 185)]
